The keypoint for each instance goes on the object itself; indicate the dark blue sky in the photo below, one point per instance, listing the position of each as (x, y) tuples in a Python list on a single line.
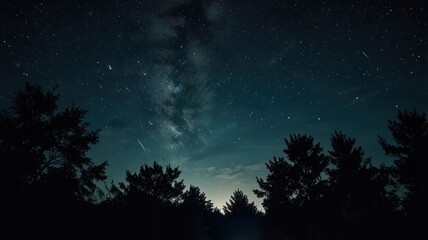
[(215, 86)]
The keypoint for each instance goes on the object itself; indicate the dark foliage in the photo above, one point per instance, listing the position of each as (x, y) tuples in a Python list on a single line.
[(49, 186), (44, 171), (152, 204), (239, 205), (242, 217), (295, 181), (294, 187), (195, 200), (153, 182), (410, 134), (357, 190)]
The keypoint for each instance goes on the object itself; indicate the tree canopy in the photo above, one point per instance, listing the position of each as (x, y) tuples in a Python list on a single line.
[(154, 182), (410, 135), (294, 181), (194, 198), (239, 205), (41, 146)]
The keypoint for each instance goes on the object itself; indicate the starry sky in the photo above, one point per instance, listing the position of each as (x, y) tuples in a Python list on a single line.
[(213, 86)]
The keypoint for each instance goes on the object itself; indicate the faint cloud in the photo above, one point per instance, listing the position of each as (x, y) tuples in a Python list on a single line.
[(237, 174)]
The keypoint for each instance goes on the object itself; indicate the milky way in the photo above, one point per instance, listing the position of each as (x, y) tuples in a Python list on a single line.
[(214, 86)]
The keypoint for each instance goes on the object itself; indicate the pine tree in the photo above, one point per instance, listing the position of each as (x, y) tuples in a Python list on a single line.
[(410, 133), (239, 205)]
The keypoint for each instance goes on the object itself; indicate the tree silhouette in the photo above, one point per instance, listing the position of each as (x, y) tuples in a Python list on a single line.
[(241, 217), (357, 188), (40, 145), (295, 181), (350, 176), (239, 205), (346, 158), (195, 214), (410, 133), (156, 183), (44, 171), (146, 202), (195, 199), (293, 187)]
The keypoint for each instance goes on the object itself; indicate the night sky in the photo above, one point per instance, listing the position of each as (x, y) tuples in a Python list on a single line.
[(214, 86)]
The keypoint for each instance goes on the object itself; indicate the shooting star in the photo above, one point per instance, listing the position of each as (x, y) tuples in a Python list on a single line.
[(366, 55), (142, 146)]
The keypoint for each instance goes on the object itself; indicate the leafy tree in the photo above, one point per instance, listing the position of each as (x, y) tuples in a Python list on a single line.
[(276, 190), (195, 199), (293, 189), (45, 149), (239, 205), (357, 189), (352, 176), (156, 183), (308, 163), (195, 211), (147, 201), (295, 181), (410, 133), (241, 217), (46, 179), (346, 158)]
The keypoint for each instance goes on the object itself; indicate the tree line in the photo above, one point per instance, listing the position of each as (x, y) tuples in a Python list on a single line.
[(51, 189)]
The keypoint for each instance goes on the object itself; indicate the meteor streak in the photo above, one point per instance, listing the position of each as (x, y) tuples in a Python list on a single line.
[(142, 146), (366, 55)]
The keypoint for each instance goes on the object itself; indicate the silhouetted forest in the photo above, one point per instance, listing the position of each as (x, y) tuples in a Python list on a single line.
[(50, 189)]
